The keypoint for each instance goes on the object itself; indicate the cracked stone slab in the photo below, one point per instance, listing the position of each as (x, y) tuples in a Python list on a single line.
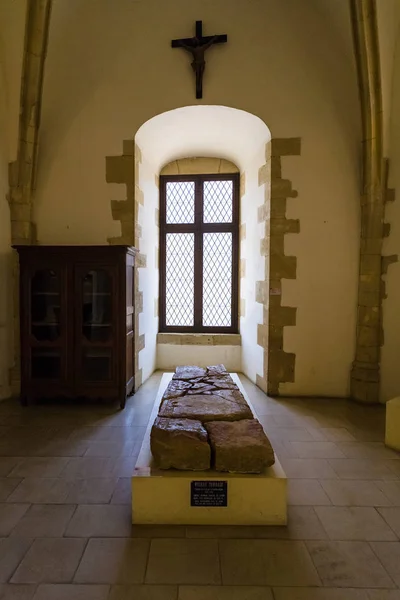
[(207, 407), (176, 388), (240, 446), (180, 444), (186, 373)]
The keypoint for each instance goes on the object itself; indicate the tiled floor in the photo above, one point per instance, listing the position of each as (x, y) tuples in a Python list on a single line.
[(65, 523)]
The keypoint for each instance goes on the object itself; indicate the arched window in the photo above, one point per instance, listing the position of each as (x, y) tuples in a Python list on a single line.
[(199, 253)]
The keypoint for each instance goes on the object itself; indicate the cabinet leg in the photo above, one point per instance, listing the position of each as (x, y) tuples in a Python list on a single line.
[(122, 402)]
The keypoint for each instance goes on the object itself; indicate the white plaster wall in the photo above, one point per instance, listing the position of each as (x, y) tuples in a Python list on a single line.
[(390, 372), (170, 356), (252, 354), (128, 76), (148, 277), (325, 290)]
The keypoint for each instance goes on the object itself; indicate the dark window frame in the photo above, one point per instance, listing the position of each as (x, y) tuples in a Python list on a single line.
[(198, 228)]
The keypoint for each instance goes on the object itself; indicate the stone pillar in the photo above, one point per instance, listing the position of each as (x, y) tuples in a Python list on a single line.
[(365, 373), (22, 171)]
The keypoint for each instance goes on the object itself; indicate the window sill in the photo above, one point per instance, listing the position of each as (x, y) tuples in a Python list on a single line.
[(200, 339)]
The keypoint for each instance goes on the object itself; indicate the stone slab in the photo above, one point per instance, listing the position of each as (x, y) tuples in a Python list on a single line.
[(180, 444), (240, 446), (163, 497), (210, 407)]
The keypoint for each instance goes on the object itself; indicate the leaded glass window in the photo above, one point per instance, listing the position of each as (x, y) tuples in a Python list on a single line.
[(199, 253)]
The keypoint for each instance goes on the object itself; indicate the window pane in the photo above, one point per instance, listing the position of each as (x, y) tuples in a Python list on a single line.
[(45, 305), (97, 305), (218, 201), (179, 297), (180, 201), (217, 279)]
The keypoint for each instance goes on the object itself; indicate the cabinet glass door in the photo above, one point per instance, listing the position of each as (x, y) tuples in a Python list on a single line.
[(46, 330), (96, 327)]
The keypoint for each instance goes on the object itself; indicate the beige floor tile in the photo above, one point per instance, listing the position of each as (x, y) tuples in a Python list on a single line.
[(394, 467), (57, 448), (17, 592), (12, 551), (91, 491), (109, 449), (391, 515), (266, 562), (7, 486), (308, 468), (355, 493), (41, 490), (319, 594), (348, 564), (317, 450), (383, 594), (158, 531), (391, 489), (367, 434), (352, 468), (10, 514), (123, 491), (389, 555), (143, 592), (50, 560), (289, 434), (100, 520), (183, 561), (7, 464), (354, 523), (303, 524), (108, 560), (124, 466), (373, 450), (225, 592), (284, 449), (332, 434), (88, 467), (221, 531), (292, 420), (40, 467), (306, 492), (44, 520), (109, 434), (72, 592)]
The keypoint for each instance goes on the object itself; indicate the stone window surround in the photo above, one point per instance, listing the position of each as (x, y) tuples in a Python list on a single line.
[(200, 339), (278, 364)]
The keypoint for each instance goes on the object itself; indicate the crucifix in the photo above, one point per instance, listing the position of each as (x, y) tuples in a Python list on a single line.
[(197, 46)]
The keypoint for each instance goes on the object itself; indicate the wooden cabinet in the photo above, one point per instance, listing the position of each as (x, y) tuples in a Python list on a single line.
[(77, 321)]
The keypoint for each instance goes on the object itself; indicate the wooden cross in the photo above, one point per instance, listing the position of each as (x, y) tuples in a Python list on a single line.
[(197, 46)]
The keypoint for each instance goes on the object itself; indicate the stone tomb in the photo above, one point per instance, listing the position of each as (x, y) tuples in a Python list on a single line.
[(165, 496), (204, 421)]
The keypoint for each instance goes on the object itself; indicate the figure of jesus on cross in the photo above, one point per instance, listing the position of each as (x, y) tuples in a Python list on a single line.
[(197, 47)]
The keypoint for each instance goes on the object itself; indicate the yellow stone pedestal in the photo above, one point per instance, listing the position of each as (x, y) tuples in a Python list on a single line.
[(164, 497), (392, 432)]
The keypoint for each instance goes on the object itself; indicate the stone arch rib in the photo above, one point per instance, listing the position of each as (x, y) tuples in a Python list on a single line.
[(22, 171), (365, 373)]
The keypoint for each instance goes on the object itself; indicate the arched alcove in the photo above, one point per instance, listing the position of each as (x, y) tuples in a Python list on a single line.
[(209, 132)]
